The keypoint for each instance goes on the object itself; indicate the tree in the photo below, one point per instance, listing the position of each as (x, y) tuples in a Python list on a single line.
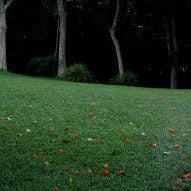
[(167, 12), (171, 39), (112, 31), (61, 38), (3, 27), (58, 7)]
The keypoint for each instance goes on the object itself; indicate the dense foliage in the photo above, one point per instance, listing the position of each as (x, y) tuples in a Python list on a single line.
[(129, 79), (78, 73), (42, 66)]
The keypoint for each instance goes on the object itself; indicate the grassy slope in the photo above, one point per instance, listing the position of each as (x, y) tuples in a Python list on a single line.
[(36, 115)]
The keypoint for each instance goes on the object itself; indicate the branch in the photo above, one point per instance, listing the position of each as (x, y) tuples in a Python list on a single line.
[(8, 4)]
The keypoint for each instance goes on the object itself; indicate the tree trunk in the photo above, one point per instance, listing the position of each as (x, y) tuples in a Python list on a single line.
[(172, 46), (115, 41), (3, 64), (175, 50), (62, 39)]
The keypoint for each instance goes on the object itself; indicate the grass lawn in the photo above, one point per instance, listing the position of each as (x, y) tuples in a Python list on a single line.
[(61, 136)]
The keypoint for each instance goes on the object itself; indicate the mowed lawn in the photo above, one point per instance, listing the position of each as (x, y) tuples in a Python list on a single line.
[(61, 136)]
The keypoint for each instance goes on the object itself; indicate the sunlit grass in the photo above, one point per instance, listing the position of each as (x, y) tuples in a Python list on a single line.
[(53, 133)]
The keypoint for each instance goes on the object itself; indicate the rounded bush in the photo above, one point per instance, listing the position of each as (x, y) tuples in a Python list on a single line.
[(128, 79), (42, 66), (78, 73)]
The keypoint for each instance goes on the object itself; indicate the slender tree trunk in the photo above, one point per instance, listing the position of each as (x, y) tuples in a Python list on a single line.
[(172, 46), (62, 39), (115, 40), (57, 38), (175, 50), (3, 64)]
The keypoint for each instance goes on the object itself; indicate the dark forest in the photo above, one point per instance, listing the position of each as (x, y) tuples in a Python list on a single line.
[(143, 31)]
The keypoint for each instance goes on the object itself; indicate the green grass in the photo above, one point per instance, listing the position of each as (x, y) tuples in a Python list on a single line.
[(38, 114)]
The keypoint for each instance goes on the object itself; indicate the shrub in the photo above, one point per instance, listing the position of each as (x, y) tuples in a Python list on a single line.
[(129, 79), (78, 73), (42, 66)]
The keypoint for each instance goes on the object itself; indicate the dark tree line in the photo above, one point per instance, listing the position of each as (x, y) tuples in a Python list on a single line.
[(149, 37)]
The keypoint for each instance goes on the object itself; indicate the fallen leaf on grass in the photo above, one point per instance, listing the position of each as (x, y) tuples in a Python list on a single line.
[(46, 163), (67, 140), (105, 169), (91, 114), (55, 189), (77, 172), (187, 175), (90, 139), (166, 153), (176, 146), (60, 150), (122, 172), (143, 134), (19, 134), (171, 130), (28, 130), (35, 122), (90, 171), (173, 109), (105, 165), (106, 172), (152, 145), (76, 136), (127, 141), (66, 169)]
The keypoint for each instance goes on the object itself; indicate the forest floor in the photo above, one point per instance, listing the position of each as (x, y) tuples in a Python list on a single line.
[(61, 136)]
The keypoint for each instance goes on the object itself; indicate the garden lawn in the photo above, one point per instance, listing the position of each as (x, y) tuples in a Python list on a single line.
[(61, 136)]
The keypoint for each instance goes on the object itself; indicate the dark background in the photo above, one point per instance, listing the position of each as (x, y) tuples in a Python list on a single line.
[(32, 29)]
